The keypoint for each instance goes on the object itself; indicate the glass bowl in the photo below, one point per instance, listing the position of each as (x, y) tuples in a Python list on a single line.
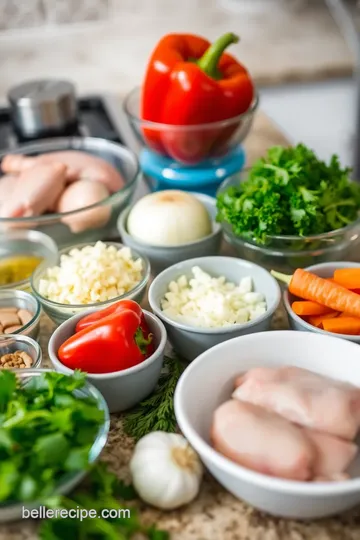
[(286, 253), (52, 224), (11, 512), (23, 242), (59, 313), (10, 343), (188, 144), (23, 300)]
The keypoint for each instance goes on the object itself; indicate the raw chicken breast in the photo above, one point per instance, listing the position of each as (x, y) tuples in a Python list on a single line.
[(79, 195), (80, 166), (262, 441), (303, 397), (17, 163), (36, 189), (333, 455), (7, 186)]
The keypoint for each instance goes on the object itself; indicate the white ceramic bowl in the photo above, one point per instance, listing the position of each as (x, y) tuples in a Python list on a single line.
[(208, 381), (190, 341), (121, 389), (162, 257), (325, 270)]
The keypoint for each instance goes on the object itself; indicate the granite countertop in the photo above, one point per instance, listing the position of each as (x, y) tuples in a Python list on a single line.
[(215, 514)]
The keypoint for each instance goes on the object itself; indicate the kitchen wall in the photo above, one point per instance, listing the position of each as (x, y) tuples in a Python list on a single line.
[(22, 14), (16, 14)]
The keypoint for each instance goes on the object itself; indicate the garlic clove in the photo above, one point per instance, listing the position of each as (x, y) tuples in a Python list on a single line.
[(166, 471)]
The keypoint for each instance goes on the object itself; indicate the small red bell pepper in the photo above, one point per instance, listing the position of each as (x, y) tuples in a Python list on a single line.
[(113, 308), (113, 343), (190, 82), (122, 305)]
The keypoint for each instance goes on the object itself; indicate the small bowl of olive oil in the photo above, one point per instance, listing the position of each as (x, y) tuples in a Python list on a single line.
[(21, 252)]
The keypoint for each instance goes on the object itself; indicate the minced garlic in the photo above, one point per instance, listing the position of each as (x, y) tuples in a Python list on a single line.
[(91, 274)]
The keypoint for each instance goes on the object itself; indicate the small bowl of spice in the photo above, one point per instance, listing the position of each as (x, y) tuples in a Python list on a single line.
[(19, 313), (19, 352), (90, 276), (21, 252)]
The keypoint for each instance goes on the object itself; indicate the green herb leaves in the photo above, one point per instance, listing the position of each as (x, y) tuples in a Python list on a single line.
[(156, 413), (99, 493), (46, 432), (290, 192)]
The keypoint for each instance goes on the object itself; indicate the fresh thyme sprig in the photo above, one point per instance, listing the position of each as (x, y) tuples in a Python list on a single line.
[(156, 413)]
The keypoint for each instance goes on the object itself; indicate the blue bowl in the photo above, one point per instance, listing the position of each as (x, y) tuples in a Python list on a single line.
[(165, 173)]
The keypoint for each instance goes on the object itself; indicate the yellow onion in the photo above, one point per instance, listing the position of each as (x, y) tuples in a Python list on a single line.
[(169, 218)]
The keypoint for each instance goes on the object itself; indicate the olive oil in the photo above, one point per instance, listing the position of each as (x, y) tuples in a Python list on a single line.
[(17, 268)]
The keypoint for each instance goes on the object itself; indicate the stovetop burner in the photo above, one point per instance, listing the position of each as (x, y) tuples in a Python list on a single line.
[(96, 118)]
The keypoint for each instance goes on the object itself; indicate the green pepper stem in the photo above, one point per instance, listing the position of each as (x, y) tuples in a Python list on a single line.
[(210, 59), (141, 342), (281, 277)]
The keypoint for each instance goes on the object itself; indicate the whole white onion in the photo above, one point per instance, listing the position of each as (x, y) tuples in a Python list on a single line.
[(169, 218)]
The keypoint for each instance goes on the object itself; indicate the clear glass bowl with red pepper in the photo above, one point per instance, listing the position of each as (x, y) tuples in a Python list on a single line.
[(197, 102), (189, 144)]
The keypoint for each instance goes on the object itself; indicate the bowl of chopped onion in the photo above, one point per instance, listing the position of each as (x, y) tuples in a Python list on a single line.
[(208, 300), (90, 276)]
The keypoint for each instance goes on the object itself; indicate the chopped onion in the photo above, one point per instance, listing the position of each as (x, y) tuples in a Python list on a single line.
[(169, 218)]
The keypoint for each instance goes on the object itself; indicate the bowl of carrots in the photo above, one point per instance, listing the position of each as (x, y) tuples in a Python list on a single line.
[(324, 298)]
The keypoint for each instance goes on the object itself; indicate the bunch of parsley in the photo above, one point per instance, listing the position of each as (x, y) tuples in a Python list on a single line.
[(101, 491), (290, 192), (46, 433)]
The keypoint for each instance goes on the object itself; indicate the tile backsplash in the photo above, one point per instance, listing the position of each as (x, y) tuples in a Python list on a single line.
[(68, 11), (20, 14)]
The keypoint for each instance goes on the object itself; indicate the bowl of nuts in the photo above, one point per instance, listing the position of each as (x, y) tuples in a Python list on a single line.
[(19, 313), (19, 352)]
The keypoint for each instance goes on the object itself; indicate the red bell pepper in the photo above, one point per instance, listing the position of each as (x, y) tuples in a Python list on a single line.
[(190, 82), (113, 343), (122, 305), (113, 308)]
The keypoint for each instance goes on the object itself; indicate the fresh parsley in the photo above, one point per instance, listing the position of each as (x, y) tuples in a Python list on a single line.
[(290, 192), (156, 413), (46, 432), (101, 490)]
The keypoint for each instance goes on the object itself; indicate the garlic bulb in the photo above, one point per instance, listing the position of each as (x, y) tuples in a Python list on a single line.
[(169, 218), (166, 472)]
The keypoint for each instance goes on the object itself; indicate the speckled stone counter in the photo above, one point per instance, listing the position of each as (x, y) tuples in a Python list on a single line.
[(215, 514)]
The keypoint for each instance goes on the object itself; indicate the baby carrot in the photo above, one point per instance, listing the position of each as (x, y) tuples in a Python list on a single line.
[(317, 320), (304, 307), (348, 277), (343, 325), (309, 286)]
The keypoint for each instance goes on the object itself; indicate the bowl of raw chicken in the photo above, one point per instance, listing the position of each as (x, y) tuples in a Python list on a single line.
[(275, 418), (72, 189)]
